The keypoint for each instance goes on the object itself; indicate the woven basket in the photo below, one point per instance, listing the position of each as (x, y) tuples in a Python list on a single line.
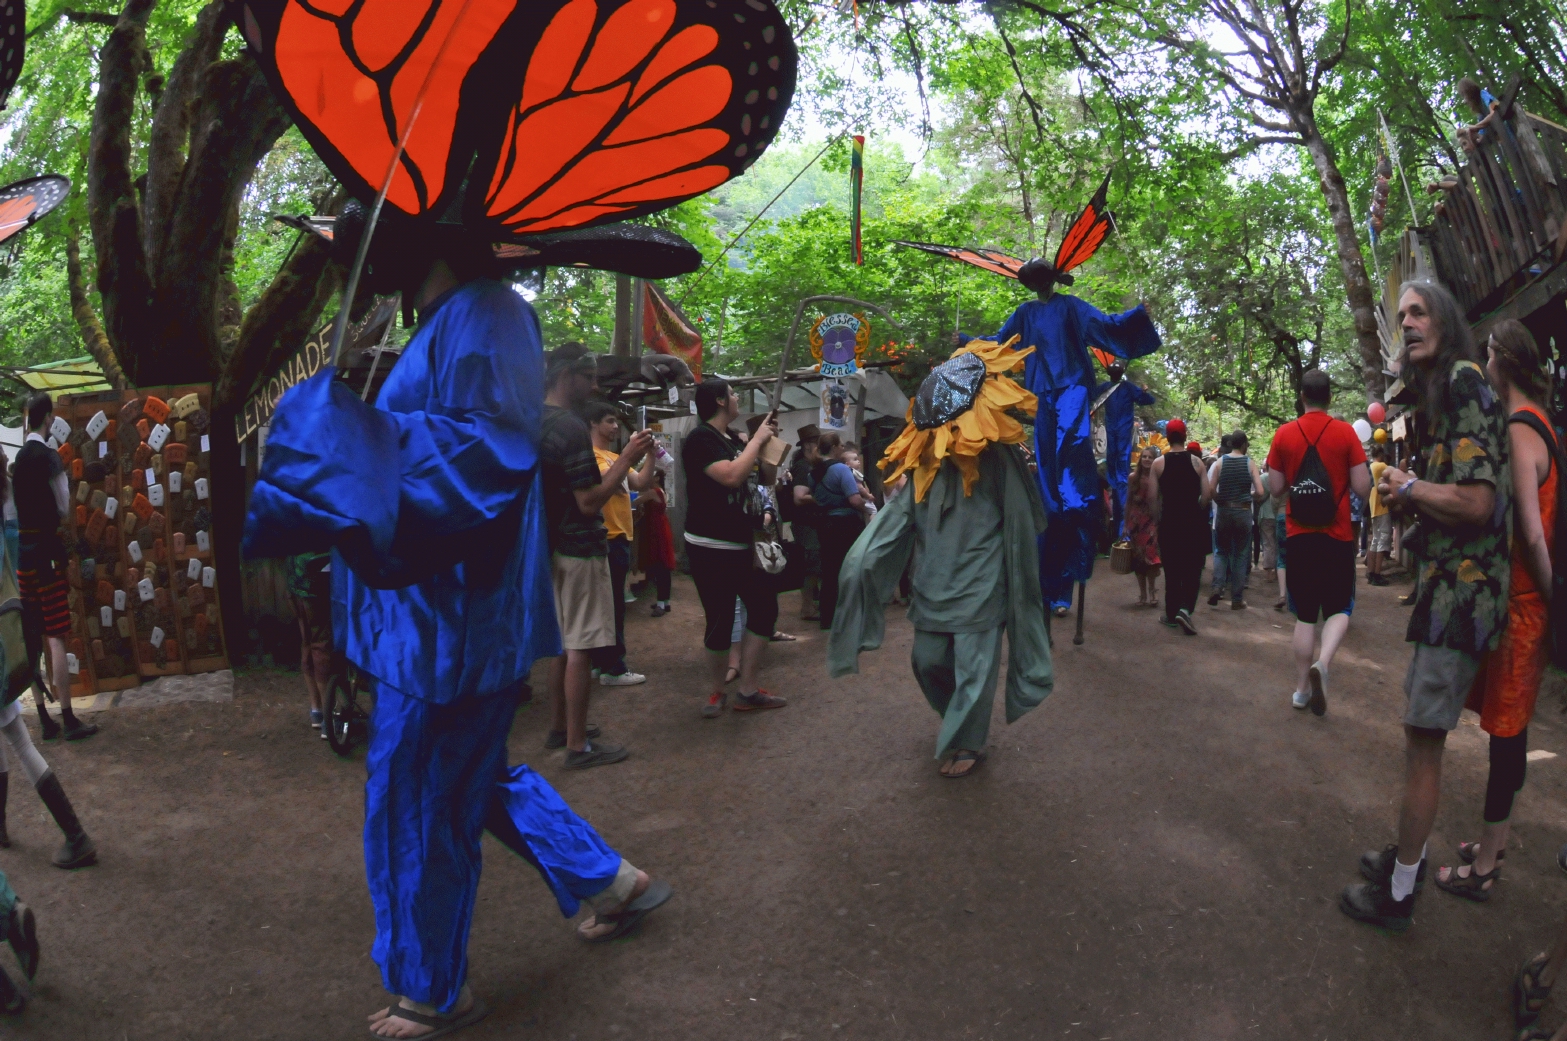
[(1121, 558)]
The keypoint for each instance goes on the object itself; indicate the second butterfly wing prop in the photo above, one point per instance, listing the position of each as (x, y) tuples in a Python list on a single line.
[(992, 260), (24, 202), (538, 116), (1087, 233)]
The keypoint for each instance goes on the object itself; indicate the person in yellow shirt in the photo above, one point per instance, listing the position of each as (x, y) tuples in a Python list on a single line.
[(1381, 522), (604, 422)]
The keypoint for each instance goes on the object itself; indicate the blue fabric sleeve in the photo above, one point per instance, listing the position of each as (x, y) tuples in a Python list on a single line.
[(1128, 335), (380, 485), (1141, 396)]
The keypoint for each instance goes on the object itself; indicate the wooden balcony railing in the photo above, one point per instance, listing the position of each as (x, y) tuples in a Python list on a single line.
[(1494, 230)]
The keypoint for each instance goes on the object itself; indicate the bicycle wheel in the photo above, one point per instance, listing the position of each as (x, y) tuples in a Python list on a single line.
[(338, 704)]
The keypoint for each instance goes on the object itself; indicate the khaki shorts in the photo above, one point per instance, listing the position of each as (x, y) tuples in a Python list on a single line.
[(1382, 534), (1438, 684), (584, 602)]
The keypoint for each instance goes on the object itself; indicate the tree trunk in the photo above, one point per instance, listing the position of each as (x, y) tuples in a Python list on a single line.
[(93, 336), (620, 344), (1356, 283)]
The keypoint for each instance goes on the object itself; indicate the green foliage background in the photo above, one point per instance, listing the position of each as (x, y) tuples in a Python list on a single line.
[(988, 124)]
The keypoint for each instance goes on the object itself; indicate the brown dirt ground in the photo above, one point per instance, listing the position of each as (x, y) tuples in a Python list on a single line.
[(1155, 853)]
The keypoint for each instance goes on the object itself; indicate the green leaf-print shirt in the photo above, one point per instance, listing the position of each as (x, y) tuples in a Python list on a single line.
[(1464, 569)]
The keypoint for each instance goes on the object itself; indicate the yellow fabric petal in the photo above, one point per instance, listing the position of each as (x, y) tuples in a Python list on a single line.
[(1467, 450), (969, 464), (1469, 571)]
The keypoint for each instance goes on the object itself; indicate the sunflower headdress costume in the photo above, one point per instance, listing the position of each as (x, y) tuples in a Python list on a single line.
[(963, 407), (977, 523)]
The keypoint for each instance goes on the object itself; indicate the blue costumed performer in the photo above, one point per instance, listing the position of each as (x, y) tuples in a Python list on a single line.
[(1061, 373), (441, 593), (1121, 399)]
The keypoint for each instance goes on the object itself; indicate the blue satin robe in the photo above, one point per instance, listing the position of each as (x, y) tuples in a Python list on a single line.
[(1120, 411), (442, 593), (1061, 373)]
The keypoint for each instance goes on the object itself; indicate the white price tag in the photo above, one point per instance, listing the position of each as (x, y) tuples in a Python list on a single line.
[(151, 475), (206, 444), (97, 424), (158, 438), (119, 599), (111, 508), (209, 577), (193, 569), (60, 429), (156, 637), (176, 481), (203, 542), (201, 487), (103, 449), (134, 549), (144, 589), (155, 494), (72, 666), (693, 406), (106, 616), (674, 395), (52, 443)]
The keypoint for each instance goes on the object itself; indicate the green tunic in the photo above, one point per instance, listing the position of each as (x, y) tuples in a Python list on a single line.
[(976, 570)]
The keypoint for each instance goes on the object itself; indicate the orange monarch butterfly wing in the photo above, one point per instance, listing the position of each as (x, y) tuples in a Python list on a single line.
[(350, 73), (23, 203), (1105, 357), (542, 115), (992, 260), (629, 108), (1086, 233)]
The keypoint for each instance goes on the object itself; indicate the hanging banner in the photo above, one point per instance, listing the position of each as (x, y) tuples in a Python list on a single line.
[(839, 343), (309, 360), (857, 188), (835, 409), (665, 330)]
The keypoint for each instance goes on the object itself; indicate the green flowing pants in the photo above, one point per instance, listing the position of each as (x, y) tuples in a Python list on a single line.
[(958, 672)]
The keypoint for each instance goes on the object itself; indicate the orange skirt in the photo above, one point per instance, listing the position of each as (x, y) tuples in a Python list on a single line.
[(1508, 682)]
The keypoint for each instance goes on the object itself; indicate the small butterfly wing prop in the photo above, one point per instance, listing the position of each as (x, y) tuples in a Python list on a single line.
[(1087, 233), (537, 117), (1105, 357), (23, 203), (13, 44), (992, 260)]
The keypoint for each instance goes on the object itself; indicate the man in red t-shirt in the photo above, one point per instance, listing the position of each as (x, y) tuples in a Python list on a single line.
[(1321, 573)]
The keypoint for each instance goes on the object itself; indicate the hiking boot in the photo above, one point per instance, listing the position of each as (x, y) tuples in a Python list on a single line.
[(601, 754), (757, 702), (1378, 867), (714, 706), (1373, 903), (557, 738), (1318, 678), (1183, 618)]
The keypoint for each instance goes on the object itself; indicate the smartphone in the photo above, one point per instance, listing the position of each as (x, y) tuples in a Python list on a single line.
[(641, 417)]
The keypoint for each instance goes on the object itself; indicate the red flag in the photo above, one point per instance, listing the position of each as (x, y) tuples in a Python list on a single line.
[(666, 331)]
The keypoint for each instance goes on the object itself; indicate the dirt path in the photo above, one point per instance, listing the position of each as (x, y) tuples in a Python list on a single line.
[(1155, 853)]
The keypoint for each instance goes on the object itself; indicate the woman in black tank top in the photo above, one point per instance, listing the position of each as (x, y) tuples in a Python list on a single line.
[(1183, 535)]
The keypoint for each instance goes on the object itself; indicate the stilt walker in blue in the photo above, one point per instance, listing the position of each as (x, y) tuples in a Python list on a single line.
[(1120, 399), (1061, 329), (429, 499)]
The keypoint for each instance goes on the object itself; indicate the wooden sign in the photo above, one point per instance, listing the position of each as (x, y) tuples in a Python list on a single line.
[(309, 360)]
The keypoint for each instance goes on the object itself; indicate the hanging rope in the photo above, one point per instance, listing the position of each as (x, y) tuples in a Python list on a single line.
[(736, 240)]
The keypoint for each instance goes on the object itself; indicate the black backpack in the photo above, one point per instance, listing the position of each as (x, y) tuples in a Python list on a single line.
[(1558, 616), (1312, 502)]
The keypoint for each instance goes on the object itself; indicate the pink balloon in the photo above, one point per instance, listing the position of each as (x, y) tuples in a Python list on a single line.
[(1375, 412)]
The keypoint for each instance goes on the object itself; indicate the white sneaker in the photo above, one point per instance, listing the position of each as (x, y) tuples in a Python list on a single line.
[(1300, 699), (625, 679)]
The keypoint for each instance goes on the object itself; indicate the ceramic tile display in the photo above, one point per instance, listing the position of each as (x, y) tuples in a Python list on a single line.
[(102, 629), (141, 487)]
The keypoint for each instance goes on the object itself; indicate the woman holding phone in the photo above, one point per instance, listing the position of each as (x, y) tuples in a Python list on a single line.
[(721, 476)]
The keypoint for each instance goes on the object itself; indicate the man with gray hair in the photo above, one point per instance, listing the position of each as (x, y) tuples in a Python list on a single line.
[(1459, 508)]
